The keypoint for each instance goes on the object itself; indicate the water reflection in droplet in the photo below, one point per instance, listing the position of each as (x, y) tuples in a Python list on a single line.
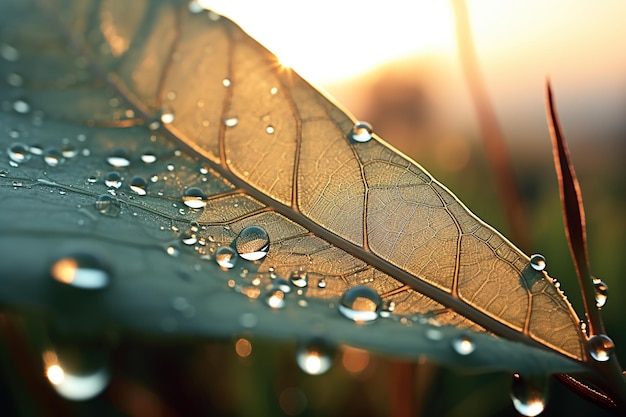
[(226, 82), (314, 357), (253, 243), (538, 262), (361, 304), (189, 237), (299, 279), (600, 347), (139, 185), (226, 257), (275, 299), (529, 394), (602, 292), (21, 106), (361, 132), (463, 345), (194, 197), (18, 152), (81, 270), (148, 157), (167, 116), (53, 157), (108, 205), (118, 158), (113, 180), (231, 121)]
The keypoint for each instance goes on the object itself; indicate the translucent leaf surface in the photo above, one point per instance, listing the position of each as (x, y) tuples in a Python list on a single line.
[(186, 100)]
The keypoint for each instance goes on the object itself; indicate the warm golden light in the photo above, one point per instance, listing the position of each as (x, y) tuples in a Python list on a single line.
[(55, 374), (355, 360), (243, 347), (64, 270)]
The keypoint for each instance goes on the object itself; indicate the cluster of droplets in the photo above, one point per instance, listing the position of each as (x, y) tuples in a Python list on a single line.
[(20, 153)]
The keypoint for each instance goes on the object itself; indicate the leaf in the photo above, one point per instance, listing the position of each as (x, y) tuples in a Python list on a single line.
[(220, 114)]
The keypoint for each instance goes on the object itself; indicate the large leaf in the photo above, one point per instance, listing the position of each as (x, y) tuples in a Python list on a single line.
[(220, 114)]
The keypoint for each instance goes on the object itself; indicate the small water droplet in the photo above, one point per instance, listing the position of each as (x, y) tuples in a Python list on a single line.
[(81, 270), (387, 308), (253, 243), (226, 82), (53, 157), (529, 395), (463, 345), (194, 197), (321, 283), (600, 347), (231, 121), (21, 106), (18, 152), (226, 257), (108, 205), (9, 53), (270, 130), (14, 80), (69, 151), (189, 237), (280, 284), (361, 304), (148, 157), (139, 185), (361, 132), (273, 91), (602, 292), (113, 180), (314, 357), (167, 116), (299, 279), (118, 158), (538, 262), (172, 251), (275, 299)]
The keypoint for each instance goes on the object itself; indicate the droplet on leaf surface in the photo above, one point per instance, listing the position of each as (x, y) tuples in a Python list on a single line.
[(253, 243), (275, 299), (226, 257), (463, 345), (18, 152), (299, 279), (194, 197), (113, 179), (314, 357), (602, 291), (139, 185), (538, 262), (361, 132), (53, 157), (81, 270), (361, 304), (600, 347), (231, 122), (118, 158), (529, 395), (108, 205)]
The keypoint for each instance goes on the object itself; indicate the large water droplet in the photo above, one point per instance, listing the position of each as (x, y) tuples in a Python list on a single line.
[(529, 394), (53, 157), (600, 347), (602, 292), (538, 262), (314, 357), (118, 158), (194, 197), (275, 299), (463, 345), (299, 279), (139, 185), (361, 304), (361, 132), (113, 180), (226, 257), (18, 152), (81, 270), (108, 205), (253, 243)]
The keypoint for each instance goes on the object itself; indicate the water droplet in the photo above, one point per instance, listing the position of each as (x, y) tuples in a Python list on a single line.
[(387, 308), (226, 257), (253, 243), (299, 279), (281, 284), (538, 262), (231, 121), (463, 345), (14, 80), (21, 106), (75, 374), (226, 82), (9, 53), (270, 130), (602, 291), (172, 251), (321, 283), (273, 91), (189, 237), (81, 270), (118, 158), (275, 299), (361, 304), (529, 395), (108, 205), (36, 150), (139, 185), (167, 116), (69, 151), (194, 197), (195, 7), (314, 357), (113, 180), (148, 157), (600, 347), (19, 152), (53, 157), (361, 132)]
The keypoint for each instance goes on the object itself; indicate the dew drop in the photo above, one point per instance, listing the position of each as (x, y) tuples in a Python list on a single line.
[(270, 130), (139, 185), (314, 357), (321, 283), (18, 152), (118, 158), (273, 91), (113, 180), (148, 157), (538, 262), (281, 284), (361, 132), (299, 279), (194, 197), (69, 151), (108, 205), (167, 116), (275, 299), (602, 291), (231, 121), (81, 270), (21, 106), (529, 395), (600, 347), (253, 243), (53, 157), (387, 308), (226, 82), (361, 304), (226, 257), (463, 345), (189, 238)]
